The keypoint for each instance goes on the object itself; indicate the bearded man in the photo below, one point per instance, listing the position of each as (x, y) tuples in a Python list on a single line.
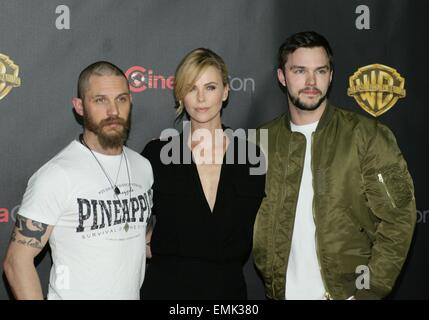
[(339, 214), (91, 201)]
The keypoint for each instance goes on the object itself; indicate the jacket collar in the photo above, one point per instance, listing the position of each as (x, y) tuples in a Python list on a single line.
[(324, 120)]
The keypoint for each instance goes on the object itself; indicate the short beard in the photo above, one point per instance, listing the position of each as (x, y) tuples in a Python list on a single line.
[(300, 105), (112, 140)]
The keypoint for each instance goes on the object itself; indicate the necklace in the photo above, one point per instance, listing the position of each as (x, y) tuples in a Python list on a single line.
[(117, 191), (115, 188)]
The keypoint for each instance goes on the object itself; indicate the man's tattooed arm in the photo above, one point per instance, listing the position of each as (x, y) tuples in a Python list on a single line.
[(29, 232), (27, 240)]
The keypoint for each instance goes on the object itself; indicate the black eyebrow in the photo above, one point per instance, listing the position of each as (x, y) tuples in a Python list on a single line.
[(323, 67), (302, 67)]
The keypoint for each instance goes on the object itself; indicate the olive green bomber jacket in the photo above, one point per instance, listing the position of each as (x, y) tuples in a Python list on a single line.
[(363, 206)]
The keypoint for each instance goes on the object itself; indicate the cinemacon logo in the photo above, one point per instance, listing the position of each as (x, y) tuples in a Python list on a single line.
[(141, 79), (7, 215)]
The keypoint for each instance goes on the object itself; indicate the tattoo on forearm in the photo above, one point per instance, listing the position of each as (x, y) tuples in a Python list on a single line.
[(13, 236), (31, 229)]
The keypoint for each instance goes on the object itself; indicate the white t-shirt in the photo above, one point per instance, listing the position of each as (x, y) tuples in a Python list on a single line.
[(303, 278), (98, 240)]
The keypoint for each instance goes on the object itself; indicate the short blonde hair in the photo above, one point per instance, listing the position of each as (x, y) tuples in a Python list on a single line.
[(190, 68)]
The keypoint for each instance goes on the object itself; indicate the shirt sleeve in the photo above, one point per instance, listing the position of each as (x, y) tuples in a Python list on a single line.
[(46, 195)]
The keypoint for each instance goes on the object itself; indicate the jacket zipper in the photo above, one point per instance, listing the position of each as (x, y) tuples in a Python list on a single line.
[(327, 294), (380, 178)]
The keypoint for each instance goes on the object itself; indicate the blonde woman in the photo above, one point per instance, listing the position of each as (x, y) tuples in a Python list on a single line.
[(205, 207)]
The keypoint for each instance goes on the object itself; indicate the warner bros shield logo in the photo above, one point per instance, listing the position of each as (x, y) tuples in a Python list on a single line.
[(8, 75), (376, 88)]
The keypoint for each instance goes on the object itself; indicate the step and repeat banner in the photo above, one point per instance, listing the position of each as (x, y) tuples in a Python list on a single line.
[(379, 46)]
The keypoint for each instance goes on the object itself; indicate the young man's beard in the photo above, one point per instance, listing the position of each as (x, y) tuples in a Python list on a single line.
[(113, 139), (300, 105)]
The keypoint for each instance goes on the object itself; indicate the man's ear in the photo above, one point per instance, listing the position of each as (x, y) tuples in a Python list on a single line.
[(78, 106), (281, 77)]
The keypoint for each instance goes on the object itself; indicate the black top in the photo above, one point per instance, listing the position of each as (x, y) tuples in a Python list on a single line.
[(197, 253)]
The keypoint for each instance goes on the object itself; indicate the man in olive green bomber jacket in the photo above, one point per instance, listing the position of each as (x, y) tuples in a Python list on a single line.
[(340, 211)]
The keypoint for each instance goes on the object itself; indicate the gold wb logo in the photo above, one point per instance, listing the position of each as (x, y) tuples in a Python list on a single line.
[(8, 75), (376, 88)]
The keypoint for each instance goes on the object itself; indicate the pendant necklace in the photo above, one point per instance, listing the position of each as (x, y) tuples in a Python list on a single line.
[(115, 188)]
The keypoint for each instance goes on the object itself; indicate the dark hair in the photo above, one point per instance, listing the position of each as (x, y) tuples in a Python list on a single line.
[(307, 39), (99, 68)]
